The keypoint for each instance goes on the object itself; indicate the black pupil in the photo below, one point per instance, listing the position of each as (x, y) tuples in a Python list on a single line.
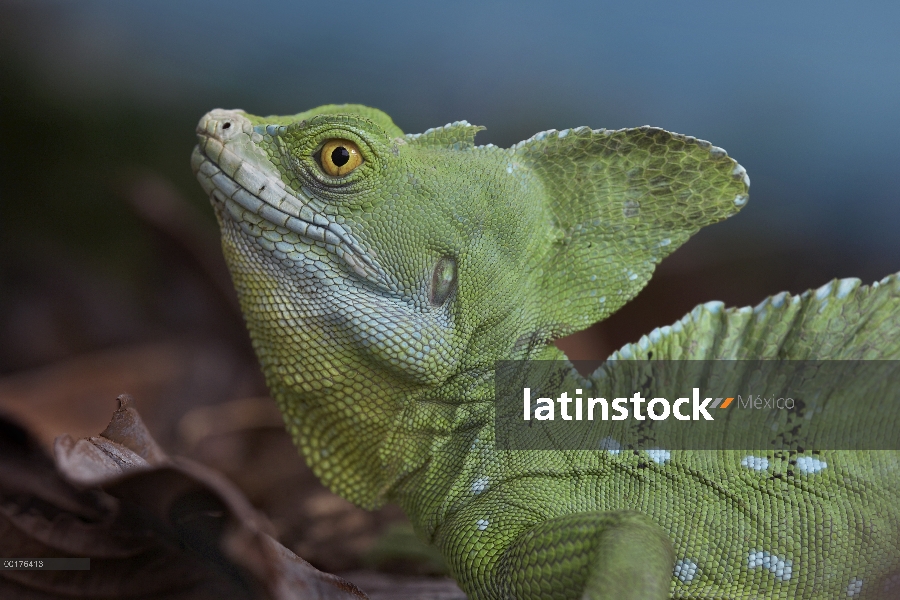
[(340, 156)]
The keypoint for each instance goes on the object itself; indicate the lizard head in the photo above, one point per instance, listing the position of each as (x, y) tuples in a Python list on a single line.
[(382, 275)]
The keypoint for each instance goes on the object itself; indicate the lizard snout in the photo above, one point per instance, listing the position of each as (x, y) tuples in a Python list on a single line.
[(222, 124)]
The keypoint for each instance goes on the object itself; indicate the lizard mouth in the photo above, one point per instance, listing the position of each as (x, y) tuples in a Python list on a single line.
[(247, 189)]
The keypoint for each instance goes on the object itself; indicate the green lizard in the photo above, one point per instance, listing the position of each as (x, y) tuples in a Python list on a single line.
[(382, 275)]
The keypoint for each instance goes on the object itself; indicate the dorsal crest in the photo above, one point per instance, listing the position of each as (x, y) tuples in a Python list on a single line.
[(458, 135)]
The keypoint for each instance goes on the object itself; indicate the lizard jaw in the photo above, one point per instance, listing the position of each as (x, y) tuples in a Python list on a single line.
[(241, 181)]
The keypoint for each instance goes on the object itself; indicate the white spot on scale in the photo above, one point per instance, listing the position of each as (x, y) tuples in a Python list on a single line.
[(665, 242), (781, 568), (562, 133), (824, 291), (855, 587), (741, 199), (686, 570), (846, 286), (479, 485), (741, 172), (810, 466), (757, 463), (659, 456), (482, 524), (714, 306), (611, 445)]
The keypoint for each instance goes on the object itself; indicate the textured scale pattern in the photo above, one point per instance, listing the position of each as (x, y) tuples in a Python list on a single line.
[(387, 386)]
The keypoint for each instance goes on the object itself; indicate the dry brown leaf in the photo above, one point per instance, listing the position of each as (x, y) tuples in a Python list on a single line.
[(169, 377), (153, 526)]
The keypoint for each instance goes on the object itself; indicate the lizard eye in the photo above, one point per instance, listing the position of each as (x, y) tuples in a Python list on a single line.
[(339, 157), (443, 280)]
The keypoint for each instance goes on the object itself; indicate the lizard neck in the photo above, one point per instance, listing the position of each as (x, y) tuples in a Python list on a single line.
[(387, 438), (463, 460), (371, 446)]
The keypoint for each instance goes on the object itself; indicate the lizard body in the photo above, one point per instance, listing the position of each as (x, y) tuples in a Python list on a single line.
[(382, 275)]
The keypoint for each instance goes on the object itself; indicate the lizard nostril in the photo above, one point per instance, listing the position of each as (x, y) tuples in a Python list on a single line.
[(443, 280), (226, 126)]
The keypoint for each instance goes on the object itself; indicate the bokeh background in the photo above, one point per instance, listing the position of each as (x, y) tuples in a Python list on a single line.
[(110, 278)]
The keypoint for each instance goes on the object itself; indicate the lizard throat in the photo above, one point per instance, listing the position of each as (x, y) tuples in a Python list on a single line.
[(248, 190)]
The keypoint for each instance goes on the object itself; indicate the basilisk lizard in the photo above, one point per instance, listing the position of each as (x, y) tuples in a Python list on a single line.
[(382, 275)]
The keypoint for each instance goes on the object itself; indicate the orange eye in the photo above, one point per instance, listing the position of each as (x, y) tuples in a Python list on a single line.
[(339, 157)]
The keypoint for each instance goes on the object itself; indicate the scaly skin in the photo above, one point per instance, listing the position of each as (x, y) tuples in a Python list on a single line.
[(378, 300)]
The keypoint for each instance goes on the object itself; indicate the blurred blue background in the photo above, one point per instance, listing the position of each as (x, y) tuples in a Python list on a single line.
[(100, 96), (111, 277)]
